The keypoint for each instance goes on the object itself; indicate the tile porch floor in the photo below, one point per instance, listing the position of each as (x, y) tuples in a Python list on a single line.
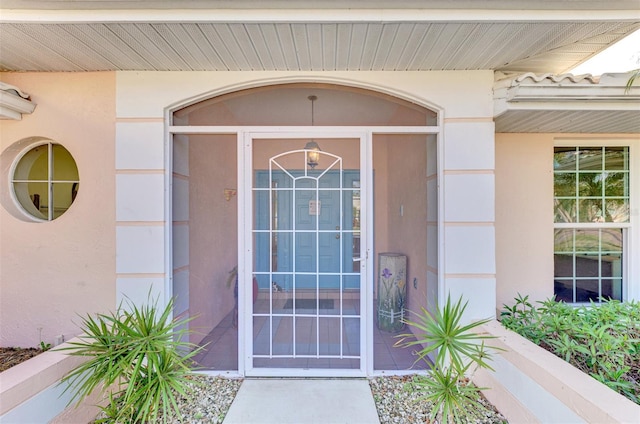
[(221, 352)]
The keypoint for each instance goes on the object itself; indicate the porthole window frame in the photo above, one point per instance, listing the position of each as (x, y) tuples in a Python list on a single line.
[(50, 181)]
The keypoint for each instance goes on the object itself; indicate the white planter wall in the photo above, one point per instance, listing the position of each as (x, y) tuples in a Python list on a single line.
[(531, 385)]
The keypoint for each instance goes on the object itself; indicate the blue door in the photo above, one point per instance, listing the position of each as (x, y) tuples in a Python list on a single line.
[(294, 210)]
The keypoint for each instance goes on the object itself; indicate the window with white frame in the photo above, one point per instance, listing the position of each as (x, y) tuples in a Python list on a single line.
[(592, 220), (45, 181)]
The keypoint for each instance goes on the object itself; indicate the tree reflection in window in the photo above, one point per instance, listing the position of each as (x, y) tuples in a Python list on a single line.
[(591, 184), (591, 192)]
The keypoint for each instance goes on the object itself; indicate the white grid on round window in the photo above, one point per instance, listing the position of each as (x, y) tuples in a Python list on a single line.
[(45, 181)]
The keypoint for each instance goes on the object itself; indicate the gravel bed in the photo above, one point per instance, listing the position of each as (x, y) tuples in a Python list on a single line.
[(398, 403), (210, 399), (395, 401)]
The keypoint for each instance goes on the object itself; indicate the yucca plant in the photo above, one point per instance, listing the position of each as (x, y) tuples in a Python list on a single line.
[(137, 357), (459, 352), (633, 75)]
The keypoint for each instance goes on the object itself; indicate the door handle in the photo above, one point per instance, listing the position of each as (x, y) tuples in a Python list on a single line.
[(361, 258)]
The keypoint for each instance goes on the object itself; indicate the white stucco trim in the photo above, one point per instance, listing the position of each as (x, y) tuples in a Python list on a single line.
[(464, 94), (136, 145), (13, 155), (277, 78), (139, 197), (140, 249), (463, 152)]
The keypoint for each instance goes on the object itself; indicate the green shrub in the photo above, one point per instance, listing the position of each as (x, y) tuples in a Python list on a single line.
[(138, 355), (602, 340), (459, 352)]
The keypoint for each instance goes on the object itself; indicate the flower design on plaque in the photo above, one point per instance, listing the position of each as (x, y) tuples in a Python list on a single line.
[(392, 292)]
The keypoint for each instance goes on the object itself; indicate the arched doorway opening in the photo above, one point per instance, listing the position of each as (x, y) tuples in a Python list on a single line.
[(242, 202)]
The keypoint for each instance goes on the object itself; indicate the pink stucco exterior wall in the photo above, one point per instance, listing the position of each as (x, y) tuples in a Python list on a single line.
[(524, 216), (51, 272), (524, 213)]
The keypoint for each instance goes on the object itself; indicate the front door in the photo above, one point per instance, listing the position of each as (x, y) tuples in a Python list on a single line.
[(305, 254)]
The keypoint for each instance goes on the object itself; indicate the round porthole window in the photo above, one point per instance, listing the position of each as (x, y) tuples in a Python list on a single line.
[(45, 181)]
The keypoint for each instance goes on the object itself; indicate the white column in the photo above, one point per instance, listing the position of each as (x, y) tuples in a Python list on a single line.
[(140, 211), (469, 215)]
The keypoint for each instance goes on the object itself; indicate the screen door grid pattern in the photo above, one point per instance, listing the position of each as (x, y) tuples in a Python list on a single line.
[(307, 304)]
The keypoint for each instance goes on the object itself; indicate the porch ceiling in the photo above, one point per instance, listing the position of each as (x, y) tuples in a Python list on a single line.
[(321, 4), (550, 36), (509, 36), (570, 121)]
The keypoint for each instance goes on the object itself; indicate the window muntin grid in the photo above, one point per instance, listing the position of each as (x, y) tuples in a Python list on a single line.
[(591, 191), (591, 184), (45, 181), (588, 264)]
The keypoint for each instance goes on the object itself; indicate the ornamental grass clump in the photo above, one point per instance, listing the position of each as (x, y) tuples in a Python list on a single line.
[(459, 353), (600, 339), (138, 358)]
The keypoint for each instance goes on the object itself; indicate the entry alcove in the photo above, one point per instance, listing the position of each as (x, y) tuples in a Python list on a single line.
[(205, 205)]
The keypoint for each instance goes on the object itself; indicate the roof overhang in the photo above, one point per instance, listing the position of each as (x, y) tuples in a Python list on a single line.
[(324, 35), (566, 104), (513, 37)]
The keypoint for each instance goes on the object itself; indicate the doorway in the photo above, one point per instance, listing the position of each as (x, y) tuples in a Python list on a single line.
[(307, 313), (302, 236)]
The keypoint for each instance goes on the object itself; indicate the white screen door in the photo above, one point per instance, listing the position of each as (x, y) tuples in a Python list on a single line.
[(304, 250)]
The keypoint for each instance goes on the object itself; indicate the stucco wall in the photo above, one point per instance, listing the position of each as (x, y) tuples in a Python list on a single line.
[(524, 213), (524, 216), (52, 271)]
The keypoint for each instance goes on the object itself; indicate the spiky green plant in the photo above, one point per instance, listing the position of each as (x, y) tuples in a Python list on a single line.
[(634, 74), (459, 352), (137, 355)]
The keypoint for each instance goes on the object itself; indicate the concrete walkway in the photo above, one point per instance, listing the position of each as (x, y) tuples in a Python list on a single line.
[(303, 401)]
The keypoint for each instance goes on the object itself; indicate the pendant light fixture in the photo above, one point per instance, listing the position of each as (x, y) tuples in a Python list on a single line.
[(312, 149)]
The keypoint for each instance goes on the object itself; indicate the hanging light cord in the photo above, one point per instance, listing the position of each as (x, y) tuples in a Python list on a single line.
[(313, 99)]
